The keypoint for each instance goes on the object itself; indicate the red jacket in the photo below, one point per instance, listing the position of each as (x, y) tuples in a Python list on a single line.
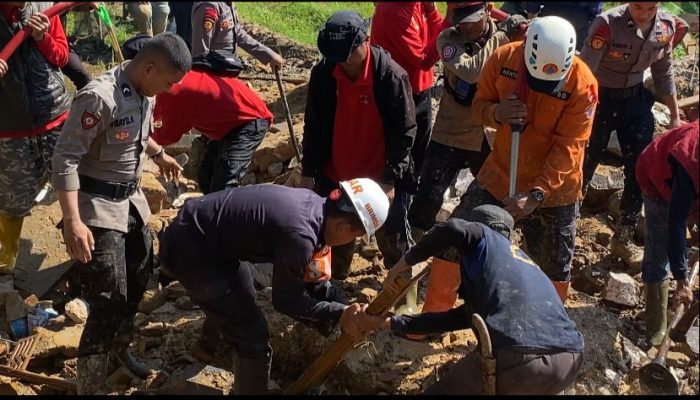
[(212, 104), (653, 169), (408, 34)]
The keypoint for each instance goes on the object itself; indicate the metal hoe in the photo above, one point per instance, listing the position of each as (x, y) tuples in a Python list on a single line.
[(656, 377), (288, 114)]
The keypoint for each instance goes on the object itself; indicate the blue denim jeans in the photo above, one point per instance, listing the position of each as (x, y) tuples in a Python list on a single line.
[(655, 262)]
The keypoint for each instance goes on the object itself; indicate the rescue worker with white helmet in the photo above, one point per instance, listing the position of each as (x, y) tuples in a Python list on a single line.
[(556, 114), (291, 228)]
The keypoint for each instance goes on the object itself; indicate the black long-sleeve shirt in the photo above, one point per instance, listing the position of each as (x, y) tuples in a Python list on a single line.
[(679, 208), (260, 223), (515, 298)]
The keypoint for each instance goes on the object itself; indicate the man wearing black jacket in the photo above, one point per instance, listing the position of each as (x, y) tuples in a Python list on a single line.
[(359, 121)]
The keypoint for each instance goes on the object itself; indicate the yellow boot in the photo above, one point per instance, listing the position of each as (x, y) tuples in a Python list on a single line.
[(10, 231)]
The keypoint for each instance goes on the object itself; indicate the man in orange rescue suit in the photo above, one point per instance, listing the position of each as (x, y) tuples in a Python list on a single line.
[(556, 115), (621, 44)]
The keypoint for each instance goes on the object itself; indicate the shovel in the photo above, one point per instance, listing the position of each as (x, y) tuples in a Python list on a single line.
[(656, 377), (288, 114)]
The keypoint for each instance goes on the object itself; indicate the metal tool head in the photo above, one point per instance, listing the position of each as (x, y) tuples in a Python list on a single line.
[(658, 379), (691, 338)]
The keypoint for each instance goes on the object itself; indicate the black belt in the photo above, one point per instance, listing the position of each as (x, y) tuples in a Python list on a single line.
[(620, 94), (106, 189)]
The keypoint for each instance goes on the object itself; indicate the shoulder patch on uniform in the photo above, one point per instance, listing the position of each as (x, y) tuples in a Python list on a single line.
[(226, 24), (158, 124), (598, 42), (448, 52), (209, 20), (512, 74), (590, 111), (89, 120), (603, 31)]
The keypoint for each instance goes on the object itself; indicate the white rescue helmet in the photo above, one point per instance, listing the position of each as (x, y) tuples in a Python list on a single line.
[(550, 47), (368, 201)]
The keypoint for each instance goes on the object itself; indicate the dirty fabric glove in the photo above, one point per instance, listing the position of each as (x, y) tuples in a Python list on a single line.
[(511, 26)]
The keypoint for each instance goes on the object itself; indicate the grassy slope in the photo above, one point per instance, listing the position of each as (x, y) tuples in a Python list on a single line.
[(301, 20)]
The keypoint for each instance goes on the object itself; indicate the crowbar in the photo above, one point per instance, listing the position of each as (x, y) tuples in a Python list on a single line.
[(288, 114), (488, 362), (521, 93)]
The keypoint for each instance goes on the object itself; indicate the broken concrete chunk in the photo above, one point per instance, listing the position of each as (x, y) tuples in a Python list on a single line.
[(77, 310), (622, 289), (58, 339), (634, 354)]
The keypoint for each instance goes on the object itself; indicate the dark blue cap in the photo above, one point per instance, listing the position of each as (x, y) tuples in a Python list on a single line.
[(341, 35)]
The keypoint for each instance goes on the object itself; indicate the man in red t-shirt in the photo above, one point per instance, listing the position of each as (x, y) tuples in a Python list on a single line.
[(359, 122), (408, 30), (33, 106), (233, 119)]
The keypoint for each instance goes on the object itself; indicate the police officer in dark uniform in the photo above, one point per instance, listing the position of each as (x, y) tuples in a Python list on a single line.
[(621, 44), (97, 167)]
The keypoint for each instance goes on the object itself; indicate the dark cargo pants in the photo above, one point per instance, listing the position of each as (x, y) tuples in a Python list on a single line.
[(634, 123), (516, 373), (441, 166), (226, 161), (112, 284), (549, 232)]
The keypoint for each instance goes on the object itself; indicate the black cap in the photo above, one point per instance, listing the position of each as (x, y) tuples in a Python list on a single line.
[(495, 218), (542, 86), (472, 11), (133, 45), (341, 35)]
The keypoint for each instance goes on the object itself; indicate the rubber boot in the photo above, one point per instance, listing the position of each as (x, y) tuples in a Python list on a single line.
[(562, 288), (441, 294), (623, 247), (10, 231), (407, 304), (92, 374), (251, 375), (656, 306), (444, 280)]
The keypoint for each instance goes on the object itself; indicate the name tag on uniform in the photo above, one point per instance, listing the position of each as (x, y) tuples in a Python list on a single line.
[(509, 73)]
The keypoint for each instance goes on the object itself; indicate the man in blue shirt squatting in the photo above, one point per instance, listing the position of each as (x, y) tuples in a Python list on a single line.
[(537, 348)]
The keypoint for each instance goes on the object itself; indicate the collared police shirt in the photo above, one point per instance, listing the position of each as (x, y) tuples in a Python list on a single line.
[(215, 26), (105, 137), (618, 53)]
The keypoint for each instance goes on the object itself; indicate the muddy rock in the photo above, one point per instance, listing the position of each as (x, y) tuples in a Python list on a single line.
[(275, 148), (77, 310), (58, 339), (677, 359), (153, 329), (366, 295), (152, 299), (275, 169), (155, 193), (248, 179), (184, 303), (634, 356), (622, 289), (606, 181)]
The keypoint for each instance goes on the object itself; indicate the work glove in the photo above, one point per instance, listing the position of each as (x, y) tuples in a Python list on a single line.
[(514, 26)]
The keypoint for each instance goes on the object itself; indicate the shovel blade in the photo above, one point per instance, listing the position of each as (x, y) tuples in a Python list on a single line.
[(657, 379)]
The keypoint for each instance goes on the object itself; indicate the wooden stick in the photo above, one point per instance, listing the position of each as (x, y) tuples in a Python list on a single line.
[(688, 102), (40, 379), (327, 361)]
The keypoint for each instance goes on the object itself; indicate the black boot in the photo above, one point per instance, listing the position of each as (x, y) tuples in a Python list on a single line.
[(251, 375)]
